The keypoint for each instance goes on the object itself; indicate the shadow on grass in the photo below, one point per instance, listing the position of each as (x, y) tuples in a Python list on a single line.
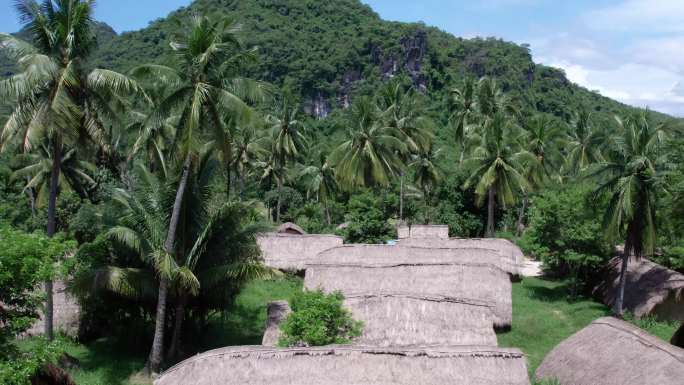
[(105, 363)]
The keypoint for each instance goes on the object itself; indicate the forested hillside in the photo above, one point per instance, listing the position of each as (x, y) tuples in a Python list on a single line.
[(330, 51)]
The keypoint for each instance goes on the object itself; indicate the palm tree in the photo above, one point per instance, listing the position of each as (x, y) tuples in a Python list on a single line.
[(584, 143), (73, 173), (400, 112), (498, 167), (55, 97), (465, 109), (248, 147), (541, 137), (426, 175), (287, 142), (372, 154), (632, 175), (319, 179)]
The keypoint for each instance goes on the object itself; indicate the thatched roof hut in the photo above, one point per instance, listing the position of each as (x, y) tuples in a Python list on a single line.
[(614, 352), (276, 313), (292, 252), (66, 312), (423, 231), (650, 289), (351, 365), (290, 228), (506, 249), (410, 320), (380, 269)]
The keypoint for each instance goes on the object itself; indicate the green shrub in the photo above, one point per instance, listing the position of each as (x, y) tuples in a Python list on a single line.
[(367, 221), (24, 365), (318, 319), (565, 233)]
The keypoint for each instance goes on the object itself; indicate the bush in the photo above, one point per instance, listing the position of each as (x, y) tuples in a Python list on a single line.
[(318, 319), (565, 233), (23, 366), (367, 221)]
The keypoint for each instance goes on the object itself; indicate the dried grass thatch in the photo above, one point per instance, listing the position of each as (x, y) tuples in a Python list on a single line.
[(614, 352), (292, 252), (351, 365), (290, 228), (276, 313), (381, 269), (506, 249), (409, 320), (66, 313), (650, 289), (423, 231)]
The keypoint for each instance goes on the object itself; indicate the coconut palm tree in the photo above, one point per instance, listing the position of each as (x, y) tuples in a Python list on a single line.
[(498, 167), (400, 112), (584, 143), (319, 179), (464, 106), (373, 153), (249, 145), (55, 96), (287, 141), (632, 175), (73, 173), (426, 175)]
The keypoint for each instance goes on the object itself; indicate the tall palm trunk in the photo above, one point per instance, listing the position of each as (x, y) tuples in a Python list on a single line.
[(521, 216), (280, 198), (401, 196), (619, 301), (178, 326), (491, 205), (427, 206), (326, 208), (51, 230), (155, 358)]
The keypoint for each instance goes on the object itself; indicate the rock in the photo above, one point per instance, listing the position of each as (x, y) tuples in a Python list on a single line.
[(678, 337), (277, 312), (51, 374)]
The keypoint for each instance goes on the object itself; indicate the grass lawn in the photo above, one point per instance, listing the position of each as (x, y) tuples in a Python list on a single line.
[(542, 317)]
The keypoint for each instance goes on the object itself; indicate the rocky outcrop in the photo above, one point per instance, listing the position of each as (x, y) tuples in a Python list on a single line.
[(318, 106)]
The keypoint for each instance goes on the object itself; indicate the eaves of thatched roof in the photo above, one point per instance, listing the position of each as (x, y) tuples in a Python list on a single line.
[(650, 289), (292, 252), (614, 352), (351, 365)]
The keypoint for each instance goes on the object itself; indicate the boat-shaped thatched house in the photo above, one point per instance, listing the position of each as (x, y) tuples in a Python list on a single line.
[(351, 365), (290, 251), (66, 316), (423, 231), (650, 289), (467, 276), (613, 352), (506, 249), (290, 228)]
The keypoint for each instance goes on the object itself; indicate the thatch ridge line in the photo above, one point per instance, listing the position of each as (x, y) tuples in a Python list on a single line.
[(287, 235), (642, 337), (404, 264), (431, 298), (261, 352)]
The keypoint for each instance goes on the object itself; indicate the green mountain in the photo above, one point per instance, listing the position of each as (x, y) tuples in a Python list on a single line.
[(330, 51)]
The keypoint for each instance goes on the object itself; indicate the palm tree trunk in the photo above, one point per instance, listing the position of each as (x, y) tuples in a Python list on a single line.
[(32, 198), (178, 326), (521, 216), (427, 207), (51, 230), (242, 186), (619, 301), (491, 205), (401, 196), (280, 197), (155, 358), (328, 219)]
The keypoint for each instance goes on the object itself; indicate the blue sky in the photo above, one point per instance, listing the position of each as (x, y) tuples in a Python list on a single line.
[(630, 50)]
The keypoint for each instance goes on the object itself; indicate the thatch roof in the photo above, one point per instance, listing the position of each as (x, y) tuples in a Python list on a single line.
[(649, 289), (423, 231), (292, 252), (383, 254), (613, 352), (351, 365), (505, 248), (276, 313), (410, 320), (290, 228), (380, 269), (66, 312)]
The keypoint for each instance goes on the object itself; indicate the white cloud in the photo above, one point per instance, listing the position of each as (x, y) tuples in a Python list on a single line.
[(644, 15)]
